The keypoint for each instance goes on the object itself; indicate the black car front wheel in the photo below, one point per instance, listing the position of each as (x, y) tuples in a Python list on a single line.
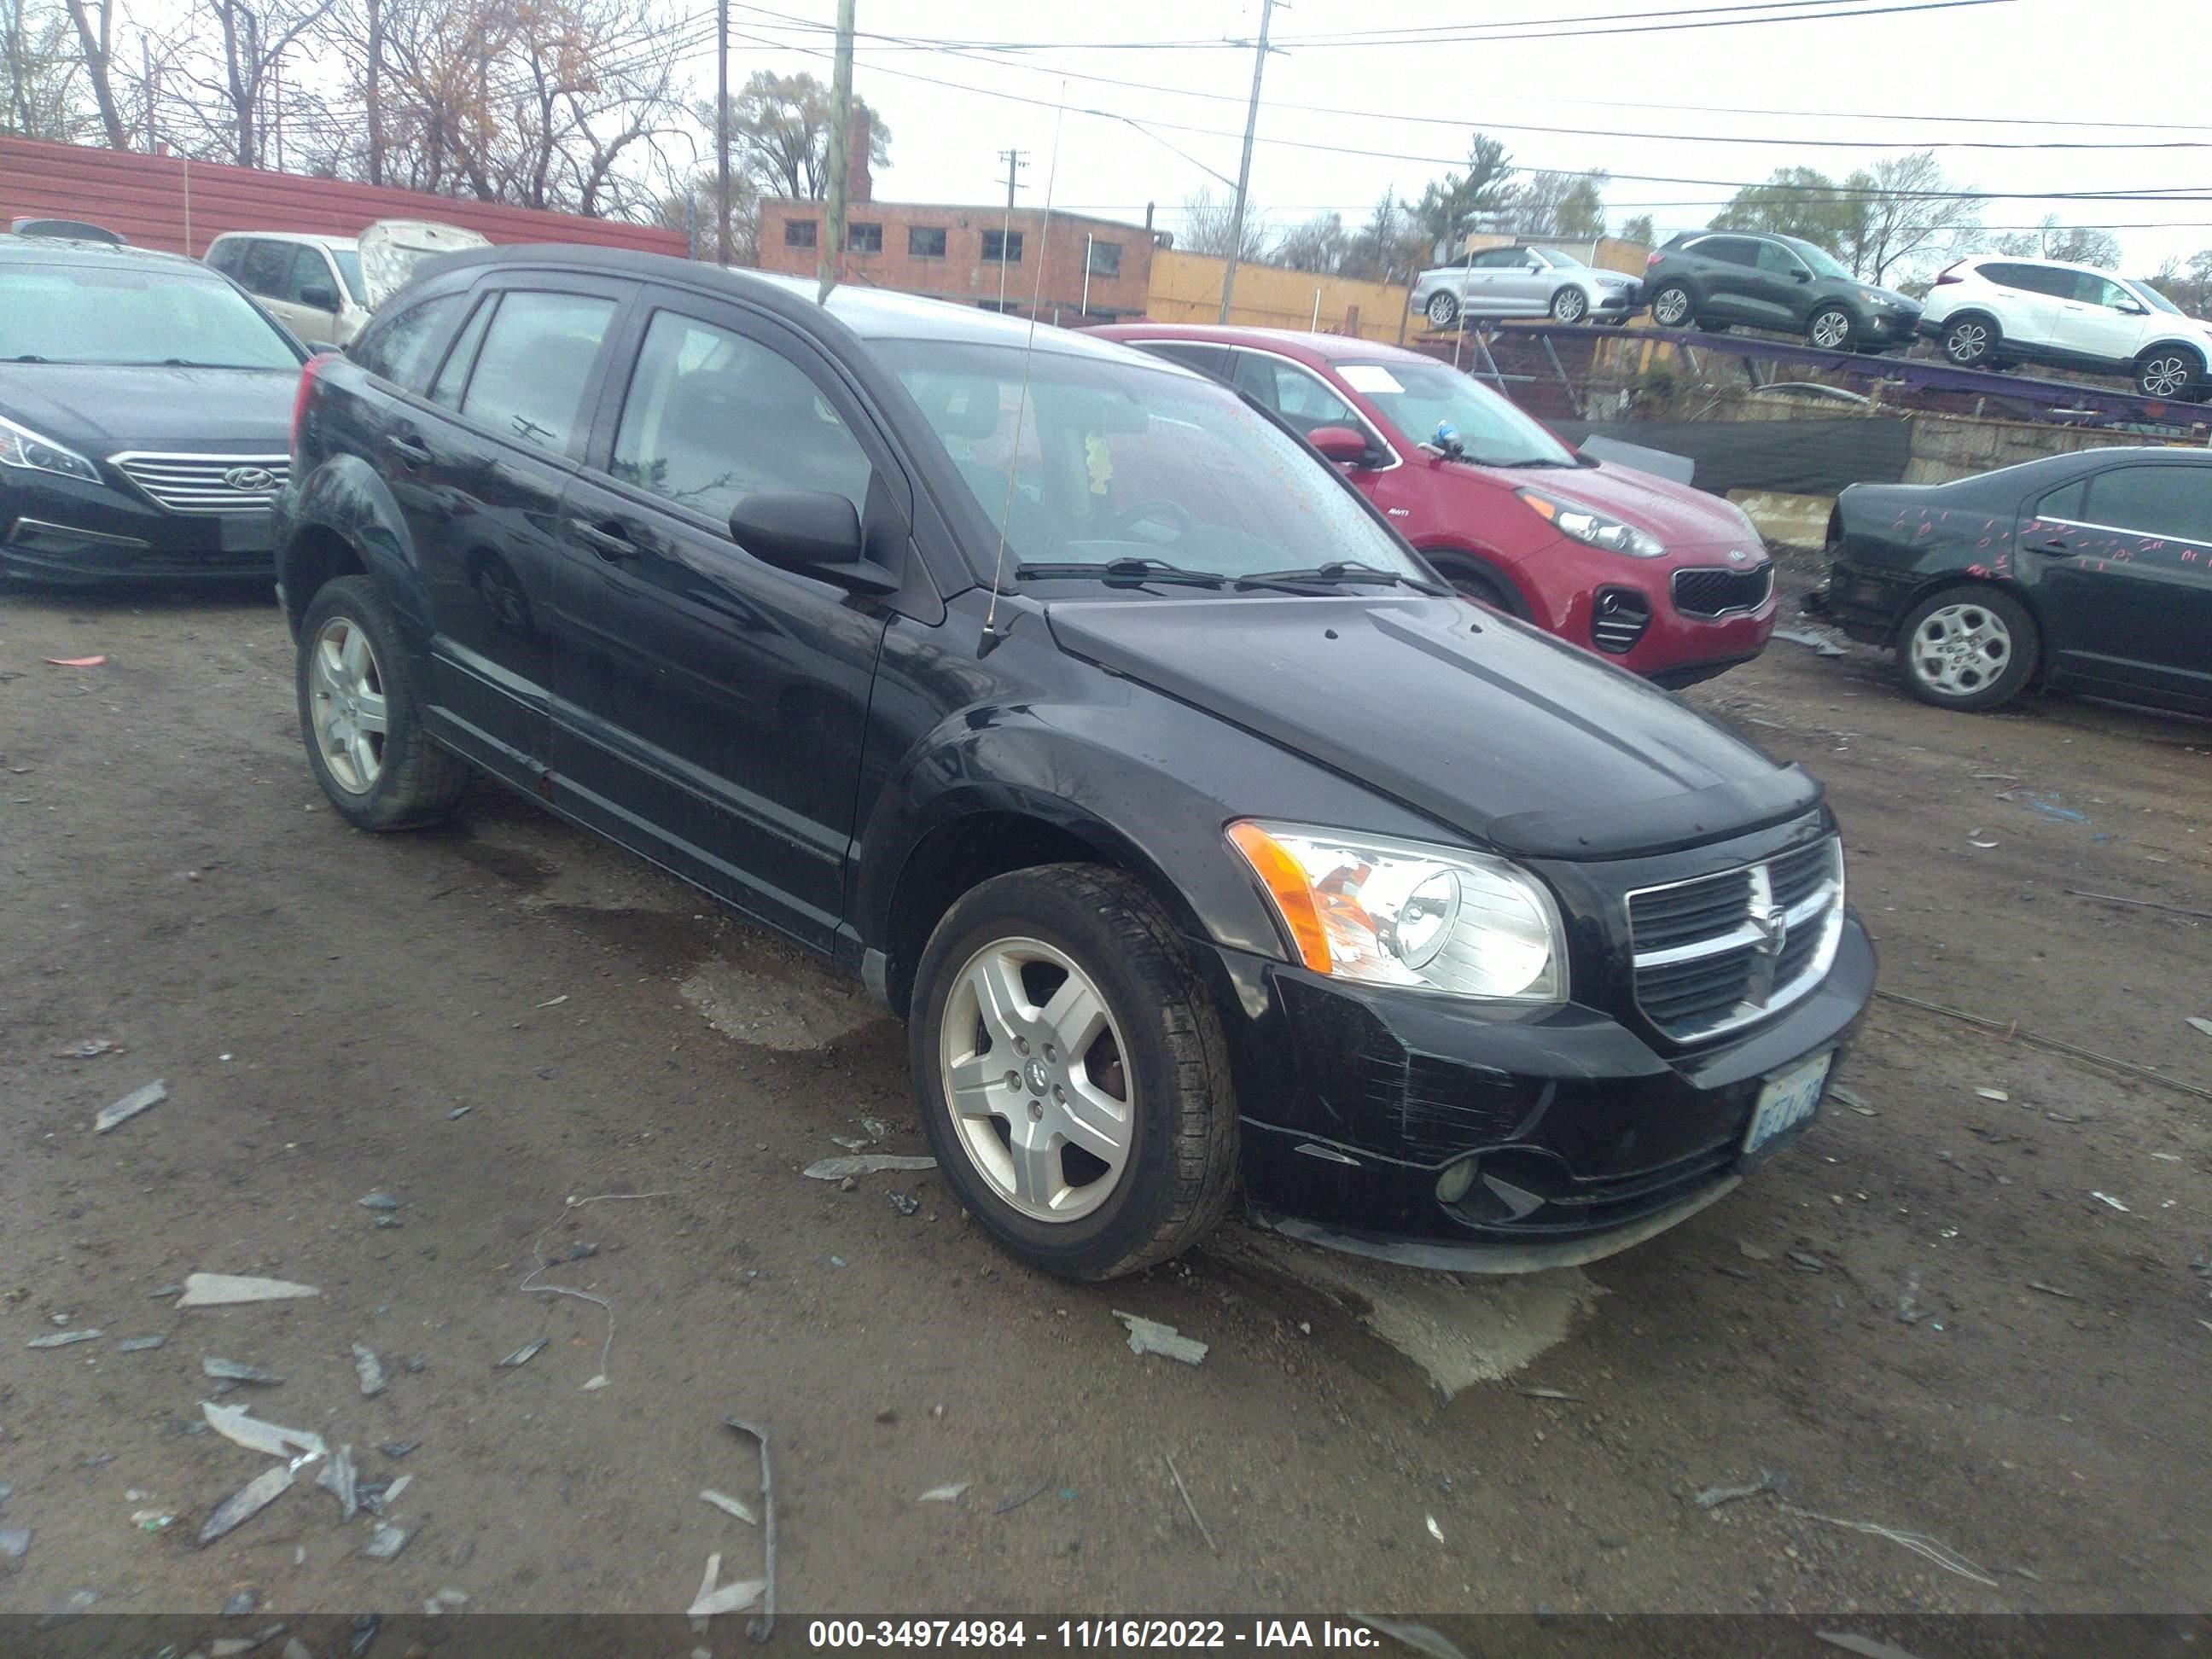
[(361, 714), (1072, 1072), (1830, 328), (1970, 646)]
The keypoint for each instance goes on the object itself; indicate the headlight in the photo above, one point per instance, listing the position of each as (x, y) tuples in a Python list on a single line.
[(1595, 528), (20, 446), (1387, 912), (1879, 301)]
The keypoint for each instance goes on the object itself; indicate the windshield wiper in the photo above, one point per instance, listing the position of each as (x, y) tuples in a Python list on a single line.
[(1336, 572), (1532, 460), (1125, 570), (30, 357)]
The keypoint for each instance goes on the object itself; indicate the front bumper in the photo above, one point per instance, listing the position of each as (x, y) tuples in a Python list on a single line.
[(1356, 1100), (69, 532), (1887, 328), (1616, 301), (1629, 610)]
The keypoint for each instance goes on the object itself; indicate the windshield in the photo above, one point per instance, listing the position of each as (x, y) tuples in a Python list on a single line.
[(1556, 257), (1120, 460), (349, 268), (1824, 263), (2151, 297), (1417, 397), (114, 315)]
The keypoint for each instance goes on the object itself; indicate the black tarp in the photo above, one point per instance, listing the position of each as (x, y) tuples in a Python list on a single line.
[(1800, 457)]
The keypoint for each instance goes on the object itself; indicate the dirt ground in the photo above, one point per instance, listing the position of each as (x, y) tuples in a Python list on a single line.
[(1963, 1307)]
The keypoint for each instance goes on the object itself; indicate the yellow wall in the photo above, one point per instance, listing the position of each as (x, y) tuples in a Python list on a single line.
[(1187, 289)]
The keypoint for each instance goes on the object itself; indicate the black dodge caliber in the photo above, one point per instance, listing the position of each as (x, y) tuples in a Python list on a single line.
[(142, 409), (1212, 851)]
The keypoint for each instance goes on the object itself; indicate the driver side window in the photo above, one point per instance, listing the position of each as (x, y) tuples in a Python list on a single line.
[(1777, 261), (1299, 397)]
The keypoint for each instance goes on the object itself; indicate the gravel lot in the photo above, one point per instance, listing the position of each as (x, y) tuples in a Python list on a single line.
[(1923, 1315)]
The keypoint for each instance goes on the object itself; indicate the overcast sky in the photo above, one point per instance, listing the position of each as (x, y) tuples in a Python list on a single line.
[(1872, 82)]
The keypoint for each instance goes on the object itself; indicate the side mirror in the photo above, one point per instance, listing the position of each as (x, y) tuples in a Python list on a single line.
[(1802, 275), (1341, 444), (2129, 308), (322, 349), (319, 296), (809, 533)]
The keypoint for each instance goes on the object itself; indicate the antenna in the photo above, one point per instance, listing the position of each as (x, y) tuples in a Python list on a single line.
[(1028, 349)]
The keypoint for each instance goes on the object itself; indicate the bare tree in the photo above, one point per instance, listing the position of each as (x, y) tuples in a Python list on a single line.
[(95, 33), (2052, 241), (1568, 205), (38, 71), (1913, 214), (1319, 245), (1639, 229), (1209, 221), (780, 130)]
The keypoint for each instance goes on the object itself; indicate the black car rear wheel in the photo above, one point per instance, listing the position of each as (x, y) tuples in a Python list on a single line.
[(1830, 328), (1672, 307), (361, 714), (1072, 1072), (1970, 646)]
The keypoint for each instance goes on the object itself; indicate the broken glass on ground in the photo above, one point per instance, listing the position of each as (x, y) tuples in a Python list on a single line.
[(1150, 1336)]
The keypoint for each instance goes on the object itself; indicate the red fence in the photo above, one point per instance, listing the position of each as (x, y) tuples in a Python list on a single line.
[(165, 202)]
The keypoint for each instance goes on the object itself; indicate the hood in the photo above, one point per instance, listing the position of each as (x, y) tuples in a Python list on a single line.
[(1678, 514), (1510, 736), (100, 410), (392, 248)]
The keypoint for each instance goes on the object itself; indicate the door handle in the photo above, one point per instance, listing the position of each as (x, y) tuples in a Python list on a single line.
[(2056, 547), (413, 451), (607, 544)]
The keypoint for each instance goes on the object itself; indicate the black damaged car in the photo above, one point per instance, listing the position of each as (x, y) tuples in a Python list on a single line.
[(143, 403), (1214, 852), (2089, 572)]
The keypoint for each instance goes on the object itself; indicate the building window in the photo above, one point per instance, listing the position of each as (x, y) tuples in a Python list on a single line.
[(799, 233), (865, 239), (1002, 247), (1105, 259), (925, 241)]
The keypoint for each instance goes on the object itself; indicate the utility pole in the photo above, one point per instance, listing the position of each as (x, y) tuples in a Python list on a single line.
[(829, 259), (1244, 167), (722, 131), (276, 104), (1014, 163), (146, 63), (376, 91)]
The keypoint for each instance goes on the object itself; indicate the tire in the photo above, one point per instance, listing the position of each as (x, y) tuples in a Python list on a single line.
[(1014, 943), (350, 660), (1673, 306), (1970, 646), (1570, 305), (1473, 580), (1831, 328), (1442, 308), (2168, 372), (1970, 341)]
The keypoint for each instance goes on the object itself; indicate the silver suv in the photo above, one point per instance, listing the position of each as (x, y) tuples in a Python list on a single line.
[(1526, 282)]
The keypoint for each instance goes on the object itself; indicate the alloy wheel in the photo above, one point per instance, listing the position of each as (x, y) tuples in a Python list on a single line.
[(1831, 329), (1442, 310), (1671, 309), (346, 697), (2166, 376), (1960, 649), (1569, 307), (1969, 343), (1032, 1067)]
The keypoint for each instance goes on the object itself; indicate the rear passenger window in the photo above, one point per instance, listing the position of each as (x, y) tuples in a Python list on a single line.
[(398, 349), (2154, 500), (712, 416), (266, 268), (1206, 358), (2064, 502), (1299, 397), (454, 379), (528, 378), (226, 255)]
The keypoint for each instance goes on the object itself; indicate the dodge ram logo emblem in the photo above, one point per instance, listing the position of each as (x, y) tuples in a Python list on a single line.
[(1773, 923), (253, 480)]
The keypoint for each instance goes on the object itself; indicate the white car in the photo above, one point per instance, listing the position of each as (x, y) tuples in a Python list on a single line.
[(1526, 282), (325, 288), (1989, 311)]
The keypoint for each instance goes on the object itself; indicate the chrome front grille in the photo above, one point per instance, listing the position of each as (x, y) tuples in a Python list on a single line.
[(1721, 951), (1714, 592), (207, 484)]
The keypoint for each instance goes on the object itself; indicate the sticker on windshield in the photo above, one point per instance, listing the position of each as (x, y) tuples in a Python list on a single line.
[(1371, 378)]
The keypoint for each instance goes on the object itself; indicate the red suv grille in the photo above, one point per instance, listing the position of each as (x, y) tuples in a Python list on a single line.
[(1719, 592)]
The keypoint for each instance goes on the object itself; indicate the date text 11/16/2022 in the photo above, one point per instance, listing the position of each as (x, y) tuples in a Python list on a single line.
[(1079, 1634)]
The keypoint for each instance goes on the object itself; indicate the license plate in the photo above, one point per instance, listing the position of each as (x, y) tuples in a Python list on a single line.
[(255, 533), (1788, 1102)]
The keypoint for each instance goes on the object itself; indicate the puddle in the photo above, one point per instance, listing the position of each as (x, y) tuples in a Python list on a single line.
[(1458, 1330)]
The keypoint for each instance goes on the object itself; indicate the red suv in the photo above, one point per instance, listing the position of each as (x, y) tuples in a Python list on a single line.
[(1667, 580)]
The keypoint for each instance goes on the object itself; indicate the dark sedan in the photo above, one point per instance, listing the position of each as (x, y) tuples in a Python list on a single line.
[(2091, 571), (144, 411)]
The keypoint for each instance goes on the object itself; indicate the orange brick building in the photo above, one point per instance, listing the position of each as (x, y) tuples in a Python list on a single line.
[(1098, 268)]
